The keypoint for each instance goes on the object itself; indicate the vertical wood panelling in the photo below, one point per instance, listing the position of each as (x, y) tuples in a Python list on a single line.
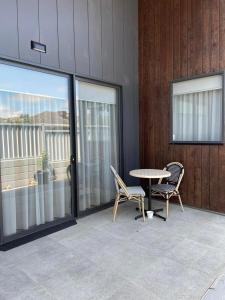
[(143, 104), (206, 52), (107, 40), (215, 65), (221, 11), (49, 32), (180, 152), (198, 30), (166, 63), (176, 34), (95, 38), (194, 67), (157, 83), (179, 18), (66, 35), (28, 26), (8, 28), (81, 36)]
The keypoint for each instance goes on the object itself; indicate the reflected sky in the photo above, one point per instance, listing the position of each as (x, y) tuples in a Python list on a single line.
[(24, 91), (15, 104), (33, 82)]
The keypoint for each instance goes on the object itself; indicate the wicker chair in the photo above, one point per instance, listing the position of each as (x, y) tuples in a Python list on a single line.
[(124, 193), (169, 187)]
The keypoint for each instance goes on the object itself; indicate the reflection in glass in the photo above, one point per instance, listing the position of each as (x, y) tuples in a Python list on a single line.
[(198, 110), (97, 143), (34, 148)]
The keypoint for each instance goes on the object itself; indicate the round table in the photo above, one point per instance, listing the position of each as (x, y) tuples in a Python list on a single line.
[(150, 174)]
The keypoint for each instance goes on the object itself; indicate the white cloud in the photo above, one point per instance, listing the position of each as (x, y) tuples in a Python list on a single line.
[(5, 112)]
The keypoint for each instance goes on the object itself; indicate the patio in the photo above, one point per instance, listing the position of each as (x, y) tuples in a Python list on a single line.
[(128, 259), (134, 84)]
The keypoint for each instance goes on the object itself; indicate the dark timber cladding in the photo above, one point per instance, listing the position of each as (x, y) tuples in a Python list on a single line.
[(180, 38), (92, 38)]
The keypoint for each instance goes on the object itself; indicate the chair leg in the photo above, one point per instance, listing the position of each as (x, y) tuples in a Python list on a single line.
[(167, 207), (139, 205), (115, 207), (143, 207), (179, 197)]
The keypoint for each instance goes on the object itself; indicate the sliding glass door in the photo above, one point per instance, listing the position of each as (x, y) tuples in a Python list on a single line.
[(35, 148), (97, 143)]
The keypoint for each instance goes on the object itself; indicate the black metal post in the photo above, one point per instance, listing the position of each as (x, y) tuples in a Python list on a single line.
[(155, 211), (149, 195)]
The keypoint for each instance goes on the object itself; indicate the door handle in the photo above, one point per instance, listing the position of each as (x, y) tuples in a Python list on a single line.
[(72, 159)]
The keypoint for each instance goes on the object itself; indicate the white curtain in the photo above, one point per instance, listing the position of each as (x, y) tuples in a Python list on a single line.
[(97, 146), (32, 128), (198, 116)]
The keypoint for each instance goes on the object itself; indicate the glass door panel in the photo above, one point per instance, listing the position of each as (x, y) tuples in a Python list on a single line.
[(34, 148), (97, 143)]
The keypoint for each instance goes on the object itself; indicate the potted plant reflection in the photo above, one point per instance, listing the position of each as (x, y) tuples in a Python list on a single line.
[(45, 171)]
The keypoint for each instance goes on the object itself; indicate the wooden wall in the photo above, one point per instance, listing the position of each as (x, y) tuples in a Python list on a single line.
[(179, 38)]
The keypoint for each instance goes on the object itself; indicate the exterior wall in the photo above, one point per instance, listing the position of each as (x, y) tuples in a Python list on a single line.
[(92, 38), (180, 38)]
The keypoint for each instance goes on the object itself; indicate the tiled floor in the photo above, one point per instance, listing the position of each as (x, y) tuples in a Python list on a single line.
[(98, 259)]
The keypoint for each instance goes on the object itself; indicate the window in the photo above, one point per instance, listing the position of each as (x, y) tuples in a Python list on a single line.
[(97, 143), (197, 110)]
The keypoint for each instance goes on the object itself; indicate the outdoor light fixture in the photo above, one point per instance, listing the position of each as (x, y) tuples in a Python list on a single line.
[(38, 47)]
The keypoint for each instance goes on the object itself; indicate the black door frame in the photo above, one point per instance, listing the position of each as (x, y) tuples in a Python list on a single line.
[(43, 229), (119, 102)]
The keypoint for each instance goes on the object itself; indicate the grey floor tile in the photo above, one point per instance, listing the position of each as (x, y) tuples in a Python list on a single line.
[(44, 261), (212, 262), (98, 259), (14, 282), (187, 251), (169, 279), (95, 285), (37, 293), (130, 291)]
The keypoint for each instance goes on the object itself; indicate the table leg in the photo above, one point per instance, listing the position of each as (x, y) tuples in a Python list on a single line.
[(149, 195), (155, 211)]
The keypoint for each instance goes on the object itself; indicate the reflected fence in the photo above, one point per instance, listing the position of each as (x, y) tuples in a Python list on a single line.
[(30, 140), (21, 149)]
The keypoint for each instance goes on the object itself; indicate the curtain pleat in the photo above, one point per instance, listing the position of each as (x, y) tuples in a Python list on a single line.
[(34, 127), (97, 140), (197, 116)]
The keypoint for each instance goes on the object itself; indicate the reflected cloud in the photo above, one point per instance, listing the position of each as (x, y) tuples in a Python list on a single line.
[(6, 112)]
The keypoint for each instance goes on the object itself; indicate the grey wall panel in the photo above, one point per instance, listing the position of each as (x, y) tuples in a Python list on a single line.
[(107, 40), (118, 49), (81, 36), (130, 113), (28, 26), (66, 35), (8, 28), (49, 32), (95, 38), (105, 47)]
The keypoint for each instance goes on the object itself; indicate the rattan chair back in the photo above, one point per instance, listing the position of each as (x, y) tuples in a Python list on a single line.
[(120, 185), (177, 172)]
